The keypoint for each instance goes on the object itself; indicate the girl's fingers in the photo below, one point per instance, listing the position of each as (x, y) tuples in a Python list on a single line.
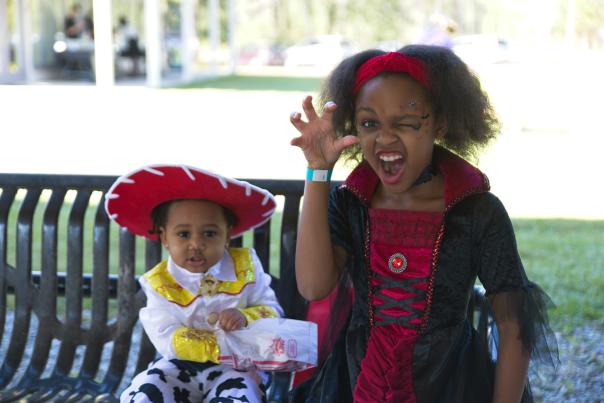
[(316, 134), (296, 119), (328, 110), (296, 142), (309, 109), (345, 142)]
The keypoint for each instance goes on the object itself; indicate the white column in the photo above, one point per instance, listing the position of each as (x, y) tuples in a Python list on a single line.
[(188, 37), (25, 50), (4, 42), (569, 35), (232, 29), (153, 41), (214, 33), (103, 43)]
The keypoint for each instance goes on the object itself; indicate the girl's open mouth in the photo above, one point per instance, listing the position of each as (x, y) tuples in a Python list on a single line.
[(392, 166)]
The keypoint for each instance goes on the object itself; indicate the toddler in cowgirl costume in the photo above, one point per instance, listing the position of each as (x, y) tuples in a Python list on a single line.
[(210, 312)]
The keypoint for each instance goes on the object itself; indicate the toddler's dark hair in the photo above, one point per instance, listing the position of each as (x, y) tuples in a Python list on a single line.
[(455, 94), (160, 213)]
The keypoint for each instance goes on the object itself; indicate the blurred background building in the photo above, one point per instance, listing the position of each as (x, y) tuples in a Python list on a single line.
[(92, 70), (106, 40), (181, 40)]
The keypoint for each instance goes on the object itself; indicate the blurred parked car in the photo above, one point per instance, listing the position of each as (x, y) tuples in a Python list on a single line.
[(262, 55), (326, 50), (481, 49)]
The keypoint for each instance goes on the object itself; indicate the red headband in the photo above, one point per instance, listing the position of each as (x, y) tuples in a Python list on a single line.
[(394, 62)]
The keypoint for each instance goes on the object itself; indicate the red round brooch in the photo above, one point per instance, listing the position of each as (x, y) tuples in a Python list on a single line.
[(397, 263)]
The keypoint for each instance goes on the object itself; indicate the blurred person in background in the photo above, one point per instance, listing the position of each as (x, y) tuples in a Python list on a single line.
[(128, 46), (438, 31), (75, 22)]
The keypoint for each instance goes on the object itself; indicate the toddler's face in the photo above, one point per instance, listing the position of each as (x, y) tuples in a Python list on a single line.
[(195, 234)]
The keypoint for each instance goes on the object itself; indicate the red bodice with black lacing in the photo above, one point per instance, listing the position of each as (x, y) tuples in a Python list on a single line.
[(398, 240)]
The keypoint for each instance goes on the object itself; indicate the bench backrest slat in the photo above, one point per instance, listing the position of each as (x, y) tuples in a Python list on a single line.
[(46, 301), (99, 292), (146, 353), (127, 307), (262, 244), (6, 200), (71, 329), (21, 279), (287, 292)]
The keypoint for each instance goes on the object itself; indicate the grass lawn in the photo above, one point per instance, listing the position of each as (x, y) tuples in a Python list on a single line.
[(259, 83), (566, 258)]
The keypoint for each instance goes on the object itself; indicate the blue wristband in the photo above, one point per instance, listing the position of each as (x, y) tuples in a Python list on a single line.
[(318, 175)]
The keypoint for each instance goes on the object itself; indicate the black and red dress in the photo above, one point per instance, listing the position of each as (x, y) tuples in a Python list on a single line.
[(408, 337)]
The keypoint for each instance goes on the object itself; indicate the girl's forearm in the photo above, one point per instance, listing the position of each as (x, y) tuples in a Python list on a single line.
[(316, 272), (512, 365)]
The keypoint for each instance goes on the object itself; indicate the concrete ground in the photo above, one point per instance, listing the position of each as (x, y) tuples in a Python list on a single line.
[(545, 164)]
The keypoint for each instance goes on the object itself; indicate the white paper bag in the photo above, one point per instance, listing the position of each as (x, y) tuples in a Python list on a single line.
[(270, 344)]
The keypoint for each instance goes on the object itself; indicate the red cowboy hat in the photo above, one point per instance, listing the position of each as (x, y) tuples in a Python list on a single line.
[(132, 197)]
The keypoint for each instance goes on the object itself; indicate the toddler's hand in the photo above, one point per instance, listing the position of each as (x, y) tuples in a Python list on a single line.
[(231, 319), (318, 140)]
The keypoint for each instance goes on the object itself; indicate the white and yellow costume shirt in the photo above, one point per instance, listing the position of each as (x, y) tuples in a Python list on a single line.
[(182, 307)]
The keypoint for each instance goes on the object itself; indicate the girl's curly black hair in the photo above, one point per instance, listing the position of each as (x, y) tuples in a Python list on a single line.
[(455, 94)]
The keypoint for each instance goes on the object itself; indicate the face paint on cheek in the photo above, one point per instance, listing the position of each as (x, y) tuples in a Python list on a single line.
[(423, 112), (419, 107), (425, 125)]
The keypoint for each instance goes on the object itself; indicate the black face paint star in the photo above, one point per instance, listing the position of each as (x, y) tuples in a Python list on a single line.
[(413, 105)]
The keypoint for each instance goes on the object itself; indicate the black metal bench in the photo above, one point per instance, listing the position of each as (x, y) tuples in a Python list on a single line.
[(69, 296)]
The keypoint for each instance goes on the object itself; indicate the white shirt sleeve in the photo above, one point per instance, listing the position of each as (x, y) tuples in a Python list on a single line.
[(159, 320), (261, 292)]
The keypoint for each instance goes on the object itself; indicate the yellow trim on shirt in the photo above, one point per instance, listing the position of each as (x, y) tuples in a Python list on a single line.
[(244, 270), (196, 345), (164, 284), (160, 280), (252, 313)]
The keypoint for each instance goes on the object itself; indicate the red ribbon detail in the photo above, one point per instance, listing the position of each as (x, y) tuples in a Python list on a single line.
[(394, 62)]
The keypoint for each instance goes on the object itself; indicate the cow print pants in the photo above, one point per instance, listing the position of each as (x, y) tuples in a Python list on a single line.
[(178, 381)]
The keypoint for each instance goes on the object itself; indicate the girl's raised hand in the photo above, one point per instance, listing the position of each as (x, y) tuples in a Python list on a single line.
[(317, 139)]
